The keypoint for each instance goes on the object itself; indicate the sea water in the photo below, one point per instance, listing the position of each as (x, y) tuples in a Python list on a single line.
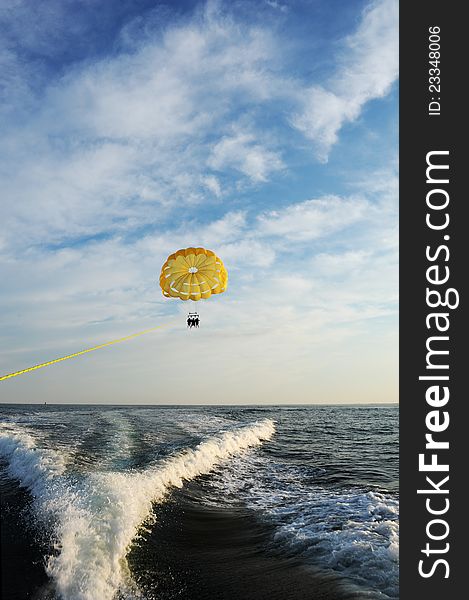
[(160, 502)]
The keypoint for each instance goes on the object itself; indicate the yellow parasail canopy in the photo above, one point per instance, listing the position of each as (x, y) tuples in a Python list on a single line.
[(193, 274)]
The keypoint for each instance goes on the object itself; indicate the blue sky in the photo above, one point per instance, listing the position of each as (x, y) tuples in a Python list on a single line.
[(266, 131)]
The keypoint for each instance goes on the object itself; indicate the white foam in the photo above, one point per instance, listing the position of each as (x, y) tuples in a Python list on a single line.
[(97, 519), (353, 532), (32, 467)]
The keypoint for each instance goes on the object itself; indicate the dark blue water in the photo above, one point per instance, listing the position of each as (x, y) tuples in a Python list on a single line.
[(157, 502)]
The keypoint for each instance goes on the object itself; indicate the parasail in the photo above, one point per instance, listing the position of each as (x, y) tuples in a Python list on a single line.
[(193, 274)]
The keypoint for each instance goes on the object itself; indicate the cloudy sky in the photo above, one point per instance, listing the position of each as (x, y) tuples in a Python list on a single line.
[(263, 130)]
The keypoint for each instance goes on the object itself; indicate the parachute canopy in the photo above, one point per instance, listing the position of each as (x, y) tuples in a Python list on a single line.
[(193, 274)]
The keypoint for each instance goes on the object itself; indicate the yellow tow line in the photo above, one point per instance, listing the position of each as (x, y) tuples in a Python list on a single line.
[(52, 362)]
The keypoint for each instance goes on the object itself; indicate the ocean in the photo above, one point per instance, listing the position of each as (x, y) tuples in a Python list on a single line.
[(199, 502)]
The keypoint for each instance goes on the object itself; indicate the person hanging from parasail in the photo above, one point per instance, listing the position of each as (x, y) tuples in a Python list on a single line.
[(193, 320), (193, 274)]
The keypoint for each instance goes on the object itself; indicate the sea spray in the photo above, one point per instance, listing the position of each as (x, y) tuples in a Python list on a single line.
[(32, 467), (97, 519)]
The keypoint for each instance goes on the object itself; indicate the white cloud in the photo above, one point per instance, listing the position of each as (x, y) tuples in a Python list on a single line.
[(313, 219), (228, 228), (340, 265), (277, 5), (119, 143), (247, 254), (241, 152), (212, 184), (367, 68), (123, 142)]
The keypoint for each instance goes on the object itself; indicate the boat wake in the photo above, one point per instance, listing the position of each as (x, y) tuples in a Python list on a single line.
[(94, 519)]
